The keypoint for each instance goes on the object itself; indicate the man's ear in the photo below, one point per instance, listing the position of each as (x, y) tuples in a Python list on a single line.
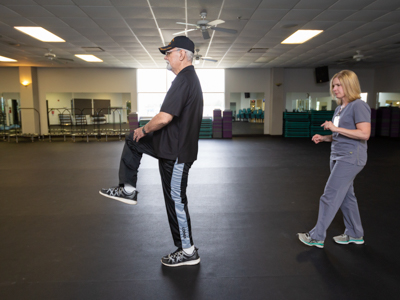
[(182, 55)]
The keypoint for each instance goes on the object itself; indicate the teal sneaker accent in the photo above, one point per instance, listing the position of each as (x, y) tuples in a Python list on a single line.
[(305, 238), (345, 239)]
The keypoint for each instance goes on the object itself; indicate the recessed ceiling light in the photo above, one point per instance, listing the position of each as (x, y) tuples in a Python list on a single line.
[(88, 57), (3, 58), (39, 33), (301, 36)]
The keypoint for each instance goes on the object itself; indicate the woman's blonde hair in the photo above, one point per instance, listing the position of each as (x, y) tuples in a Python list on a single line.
[(351, 86)]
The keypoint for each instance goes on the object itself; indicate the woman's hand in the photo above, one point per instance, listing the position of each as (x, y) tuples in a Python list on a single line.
[(328, 125), (321, 138), (317, 138)]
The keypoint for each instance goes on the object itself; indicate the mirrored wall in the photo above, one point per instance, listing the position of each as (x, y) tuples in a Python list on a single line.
[(88, 111), (10, 113), (248, 113)]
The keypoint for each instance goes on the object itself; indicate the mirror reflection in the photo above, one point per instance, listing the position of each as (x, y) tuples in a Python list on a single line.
[(88, 112), (247, 113), (10, 113)]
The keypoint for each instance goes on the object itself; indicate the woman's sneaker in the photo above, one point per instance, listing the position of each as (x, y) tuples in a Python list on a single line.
[(305, 238), (118, 193), (181, 258), (345, 239)]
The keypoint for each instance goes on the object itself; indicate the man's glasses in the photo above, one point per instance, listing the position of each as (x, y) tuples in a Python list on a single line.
[(170, 51)]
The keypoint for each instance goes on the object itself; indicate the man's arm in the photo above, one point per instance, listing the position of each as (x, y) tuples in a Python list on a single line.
[(156, 123)]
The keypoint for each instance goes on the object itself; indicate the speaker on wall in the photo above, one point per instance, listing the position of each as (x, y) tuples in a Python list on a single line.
[(322, 74), (247, 95)]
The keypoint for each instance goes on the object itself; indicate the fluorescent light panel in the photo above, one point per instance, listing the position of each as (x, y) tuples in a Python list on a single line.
[(301, 36), (40, 33), (88, 57), (3, 58)]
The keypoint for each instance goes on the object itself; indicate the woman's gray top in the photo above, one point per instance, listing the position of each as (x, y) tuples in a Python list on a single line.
[(344, 148)]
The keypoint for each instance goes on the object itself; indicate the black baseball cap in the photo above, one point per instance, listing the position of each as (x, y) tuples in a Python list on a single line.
[(179, 42)]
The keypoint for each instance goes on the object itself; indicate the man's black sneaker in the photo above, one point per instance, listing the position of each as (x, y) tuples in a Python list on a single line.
[(181, 258), (118, 193)]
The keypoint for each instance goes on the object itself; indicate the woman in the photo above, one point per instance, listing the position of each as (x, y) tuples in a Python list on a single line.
[(351, 128)]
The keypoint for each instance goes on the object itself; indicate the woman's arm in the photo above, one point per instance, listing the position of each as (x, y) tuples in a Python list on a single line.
[(317, 138), (362, 132)]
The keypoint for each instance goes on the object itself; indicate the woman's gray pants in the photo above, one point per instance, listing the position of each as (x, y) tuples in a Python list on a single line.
[(339, 193)]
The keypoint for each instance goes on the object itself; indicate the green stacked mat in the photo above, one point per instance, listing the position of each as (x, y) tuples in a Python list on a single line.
[(296, 124), (317, 119), (206, 129)]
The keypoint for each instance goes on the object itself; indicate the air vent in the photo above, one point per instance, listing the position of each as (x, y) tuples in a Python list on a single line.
[(258, 50), (93, 49)]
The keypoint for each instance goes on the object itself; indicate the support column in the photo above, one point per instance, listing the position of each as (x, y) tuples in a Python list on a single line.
[(29, 100), (277, 99)]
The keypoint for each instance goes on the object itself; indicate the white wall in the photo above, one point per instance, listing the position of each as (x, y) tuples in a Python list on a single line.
[(387, 79), (9, 80)]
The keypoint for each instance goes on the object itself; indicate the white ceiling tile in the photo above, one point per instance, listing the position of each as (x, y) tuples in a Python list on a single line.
[(62, 11), (393, 16), (384, 4), (353, 4), (314, 4), (55, 2), (92, 2), (135, 12), (99, 12), (31, 11), (366, 15), (51, 22), (80, 22), (334, 15), (289, 4), (301, 14)]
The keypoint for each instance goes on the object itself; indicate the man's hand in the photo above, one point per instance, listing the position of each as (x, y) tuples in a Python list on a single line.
[(138, 134)]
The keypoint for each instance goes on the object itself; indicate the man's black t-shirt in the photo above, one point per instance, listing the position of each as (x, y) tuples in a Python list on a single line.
[(184, 100)]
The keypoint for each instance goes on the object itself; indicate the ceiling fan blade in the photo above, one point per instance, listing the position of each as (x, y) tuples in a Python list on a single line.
[(224, 30), (215, 22), (66, 59), (207, 59), (186, 24), (205, 33), (176, 33)]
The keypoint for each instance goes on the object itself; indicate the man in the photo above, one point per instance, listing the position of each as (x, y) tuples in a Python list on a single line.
[(171, 137)]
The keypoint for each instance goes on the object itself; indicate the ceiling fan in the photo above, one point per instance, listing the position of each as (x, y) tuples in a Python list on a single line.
[(54, 58), (204, 25), (198, 56), (352, 59)]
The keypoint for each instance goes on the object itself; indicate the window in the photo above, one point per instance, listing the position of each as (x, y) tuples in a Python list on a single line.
[(153, 85), (364, 97)]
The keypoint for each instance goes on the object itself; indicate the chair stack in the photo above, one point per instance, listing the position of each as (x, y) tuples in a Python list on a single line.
[(217, 124), (394, 121), (318, 118), (133, 121), (227, 124), (206, 129), (373, 122), (296, 124)]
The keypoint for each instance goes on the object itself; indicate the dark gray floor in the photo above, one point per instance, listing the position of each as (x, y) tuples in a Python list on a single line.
[(248, 198), (242, 128)]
